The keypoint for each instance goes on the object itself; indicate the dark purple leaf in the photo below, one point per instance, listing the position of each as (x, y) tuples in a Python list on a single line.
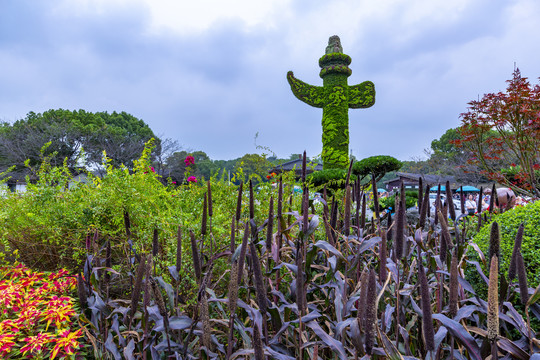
[(511, 347), (111, 347), (128, 350), (277, 355), (343, 324), (334, 344), (459, 333), (368, 244), (440, 336), (465, 312), (321, 244), (518, 319)]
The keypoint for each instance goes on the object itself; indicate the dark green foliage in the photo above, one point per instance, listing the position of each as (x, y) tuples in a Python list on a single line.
[(376, 165), (411, 199), (509, 223), (121, 135), (332, 178)]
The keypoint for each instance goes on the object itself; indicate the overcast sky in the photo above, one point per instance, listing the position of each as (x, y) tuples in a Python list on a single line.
[(212, 74)]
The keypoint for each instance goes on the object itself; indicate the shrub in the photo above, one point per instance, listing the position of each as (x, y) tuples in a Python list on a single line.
[(332, 178), (411, 198), (509, 223), (377, 165)]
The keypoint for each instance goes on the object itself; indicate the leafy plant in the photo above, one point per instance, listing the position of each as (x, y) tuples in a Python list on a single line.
[(377, 166), (38, 319), (509, 223), (299, 282)]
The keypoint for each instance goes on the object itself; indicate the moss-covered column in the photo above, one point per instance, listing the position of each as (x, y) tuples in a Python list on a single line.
[(335, 97)]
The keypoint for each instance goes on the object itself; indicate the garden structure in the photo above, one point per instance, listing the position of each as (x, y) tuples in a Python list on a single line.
[(335, 97)]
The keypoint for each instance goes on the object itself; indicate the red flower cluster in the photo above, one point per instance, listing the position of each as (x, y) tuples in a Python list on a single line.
[(271, 175), (192, 179), (189, 160)]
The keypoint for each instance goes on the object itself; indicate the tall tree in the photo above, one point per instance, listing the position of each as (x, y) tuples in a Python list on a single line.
[(121, 135), (514, 115)]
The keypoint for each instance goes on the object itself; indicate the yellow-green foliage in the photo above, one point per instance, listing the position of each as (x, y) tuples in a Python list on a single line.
[(49, 223)]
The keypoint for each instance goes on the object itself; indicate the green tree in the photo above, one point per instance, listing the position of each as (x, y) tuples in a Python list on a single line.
[(121, 135), (253, 166)]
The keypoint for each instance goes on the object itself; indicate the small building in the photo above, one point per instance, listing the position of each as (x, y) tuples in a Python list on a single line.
[(411, 181), (295, 165)]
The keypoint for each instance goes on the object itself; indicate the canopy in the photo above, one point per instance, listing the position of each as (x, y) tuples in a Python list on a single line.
[(382, 190), (468, 189), (434, 188)]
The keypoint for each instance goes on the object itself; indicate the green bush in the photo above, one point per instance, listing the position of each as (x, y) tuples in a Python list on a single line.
[(509, 223), (332, 178), (377, 165), (411, 198), (49, 224)]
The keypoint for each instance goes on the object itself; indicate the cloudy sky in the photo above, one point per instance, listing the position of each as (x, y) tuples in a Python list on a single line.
[(212, 74)]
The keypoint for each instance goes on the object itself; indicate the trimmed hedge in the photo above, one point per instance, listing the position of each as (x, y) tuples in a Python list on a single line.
[(530, 248), (332, 178), (378, 165)]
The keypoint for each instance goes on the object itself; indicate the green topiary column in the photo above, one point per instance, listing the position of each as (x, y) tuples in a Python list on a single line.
[(335, 97)]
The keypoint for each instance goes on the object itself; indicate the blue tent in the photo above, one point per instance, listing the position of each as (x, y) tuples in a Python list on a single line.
[(434, 188), (382, 190), (468, 188)]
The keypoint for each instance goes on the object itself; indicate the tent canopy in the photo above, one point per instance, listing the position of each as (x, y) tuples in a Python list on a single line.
[(468, 189), (434, 188), (382, 190)]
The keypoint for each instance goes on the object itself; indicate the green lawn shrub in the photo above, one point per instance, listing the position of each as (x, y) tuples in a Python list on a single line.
[(509, 223)]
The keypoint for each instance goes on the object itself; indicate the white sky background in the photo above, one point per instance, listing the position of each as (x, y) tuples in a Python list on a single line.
[(211, 74)]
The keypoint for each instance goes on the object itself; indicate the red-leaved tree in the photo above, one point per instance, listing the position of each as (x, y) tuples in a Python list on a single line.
[(502, 133)]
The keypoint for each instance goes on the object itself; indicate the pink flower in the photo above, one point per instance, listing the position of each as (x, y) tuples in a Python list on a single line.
[(152, 169), (192, 179), (189, 160)]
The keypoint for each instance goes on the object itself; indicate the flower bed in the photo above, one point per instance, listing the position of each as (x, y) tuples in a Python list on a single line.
[(37, 318)]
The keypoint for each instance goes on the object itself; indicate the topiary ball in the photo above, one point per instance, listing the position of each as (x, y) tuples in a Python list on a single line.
[(377, 165)]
